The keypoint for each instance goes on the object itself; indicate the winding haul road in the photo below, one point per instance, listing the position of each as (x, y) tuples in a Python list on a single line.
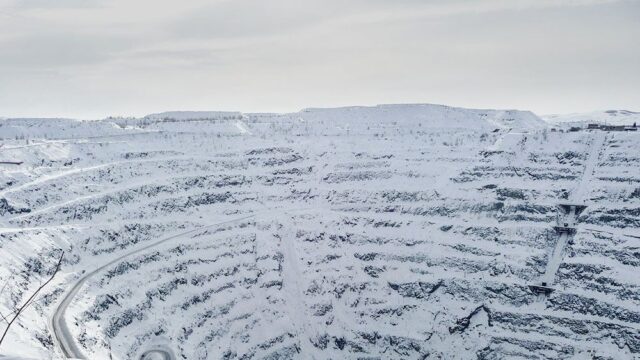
[(58, 325), (157, 354)]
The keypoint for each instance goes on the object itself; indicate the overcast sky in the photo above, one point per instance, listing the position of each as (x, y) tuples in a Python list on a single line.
[(95, 58)]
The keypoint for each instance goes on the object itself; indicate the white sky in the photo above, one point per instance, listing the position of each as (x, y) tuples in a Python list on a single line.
[(94, 58)]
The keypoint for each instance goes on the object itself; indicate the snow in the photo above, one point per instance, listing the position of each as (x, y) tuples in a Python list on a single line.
[(427, 115), (394, 231), (609, 117), (192, 115)]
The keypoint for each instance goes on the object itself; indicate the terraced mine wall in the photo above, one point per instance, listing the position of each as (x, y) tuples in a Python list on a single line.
[(326, 236)]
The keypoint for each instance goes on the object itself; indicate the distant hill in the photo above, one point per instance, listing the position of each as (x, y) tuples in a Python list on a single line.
[(193, 115), (611, 117), (423, 115)]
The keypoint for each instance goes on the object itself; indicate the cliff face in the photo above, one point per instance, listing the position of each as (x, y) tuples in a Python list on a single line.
[(357, 233)]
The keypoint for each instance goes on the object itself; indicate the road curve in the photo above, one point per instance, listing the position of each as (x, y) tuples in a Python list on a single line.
[(157, 354), (61, 334)]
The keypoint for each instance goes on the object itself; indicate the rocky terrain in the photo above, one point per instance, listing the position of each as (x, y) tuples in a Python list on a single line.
[(392, 232)]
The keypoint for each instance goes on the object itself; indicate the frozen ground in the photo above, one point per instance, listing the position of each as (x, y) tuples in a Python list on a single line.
[(610, 117), (392, 232)]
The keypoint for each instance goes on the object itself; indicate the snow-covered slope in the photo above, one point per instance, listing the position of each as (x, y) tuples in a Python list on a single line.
[(37, 128), (610, 117), (395, 232), (423, 115), (192, 115)]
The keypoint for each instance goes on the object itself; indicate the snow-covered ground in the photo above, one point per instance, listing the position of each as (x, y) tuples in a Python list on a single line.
[(389, 232), (609, 117)]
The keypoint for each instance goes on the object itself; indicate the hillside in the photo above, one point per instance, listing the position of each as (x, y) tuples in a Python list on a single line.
[(610, 117), (388, 232)]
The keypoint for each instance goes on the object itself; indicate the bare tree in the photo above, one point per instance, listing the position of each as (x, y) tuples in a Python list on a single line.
[(18, 311)]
